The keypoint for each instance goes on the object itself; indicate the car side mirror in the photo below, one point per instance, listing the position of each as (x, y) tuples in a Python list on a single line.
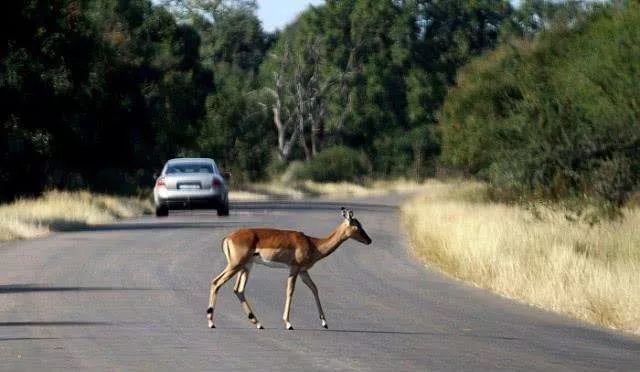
[(226, 175)]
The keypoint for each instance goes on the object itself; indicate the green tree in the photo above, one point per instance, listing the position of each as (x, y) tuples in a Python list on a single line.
[(389, 65), (554, 117), (97, 93), (49, 55), (235, 130)]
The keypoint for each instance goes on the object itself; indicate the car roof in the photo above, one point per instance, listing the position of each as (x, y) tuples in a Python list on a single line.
[(190, 160)]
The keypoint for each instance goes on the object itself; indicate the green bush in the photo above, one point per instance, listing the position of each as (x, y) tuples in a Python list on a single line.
[(409, 153), (556, 117), (334, 164)]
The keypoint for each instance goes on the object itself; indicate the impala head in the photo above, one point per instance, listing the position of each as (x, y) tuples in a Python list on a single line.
[(353, 228)]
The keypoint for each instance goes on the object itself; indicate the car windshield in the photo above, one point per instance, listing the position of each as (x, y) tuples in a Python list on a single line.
[(189, 168)]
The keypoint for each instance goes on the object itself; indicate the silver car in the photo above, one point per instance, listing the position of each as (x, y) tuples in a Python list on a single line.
[(187, 183)]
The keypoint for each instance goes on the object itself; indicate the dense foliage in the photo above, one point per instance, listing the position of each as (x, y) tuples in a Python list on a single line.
[(556, 116), (373, 74), (95, 93), (99, 93), (333, 164)]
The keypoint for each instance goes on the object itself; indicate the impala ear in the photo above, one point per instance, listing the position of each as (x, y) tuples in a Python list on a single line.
[(345, 213), (350, 214)]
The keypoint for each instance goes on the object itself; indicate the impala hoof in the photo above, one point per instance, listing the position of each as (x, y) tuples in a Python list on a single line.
[(289, 327), (259, 326), (210, 317), (324, 324)]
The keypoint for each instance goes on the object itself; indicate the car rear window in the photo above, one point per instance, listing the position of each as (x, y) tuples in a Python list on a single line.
[(188, 168)]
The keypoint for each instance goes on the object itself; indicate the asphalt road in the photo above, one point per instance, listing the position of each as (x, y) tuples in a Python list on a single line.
[(133, 295)]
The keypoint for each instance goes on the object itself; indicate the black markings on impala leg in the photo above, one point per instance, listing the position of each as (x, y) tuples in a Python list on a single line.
[(251, 316), (210, 310)]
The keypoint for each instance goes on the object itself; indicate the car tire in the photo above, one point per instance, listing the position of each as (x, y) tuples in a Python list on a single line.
[(223, 210), (162, 211)]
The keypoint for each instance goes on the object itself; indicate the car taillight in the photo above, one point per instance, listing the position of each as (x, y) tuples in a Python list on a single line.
[(160, 182), (216, 183)]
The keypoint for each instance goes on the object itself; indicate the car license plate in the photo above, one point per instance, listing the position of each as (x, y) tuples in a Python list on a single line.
[(189, 187)]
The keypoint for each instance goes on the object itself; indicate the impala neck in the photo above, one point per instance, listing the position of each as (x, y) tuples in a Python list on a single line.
[(327, 245)]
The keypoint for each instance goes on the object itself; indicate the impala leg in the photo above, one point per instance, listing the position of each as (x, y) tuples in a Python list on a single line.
[(291, 285), (237, 285), (306, 279), (239, 291), (216, 283)]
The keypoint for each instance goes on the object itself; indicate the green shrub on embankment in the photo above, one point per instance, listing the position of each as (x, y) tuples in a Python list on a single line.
[(555, 117)]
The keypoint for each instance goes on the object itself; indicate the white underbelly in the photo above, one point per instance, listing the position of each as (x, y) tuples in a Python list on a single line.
[(273, 264)]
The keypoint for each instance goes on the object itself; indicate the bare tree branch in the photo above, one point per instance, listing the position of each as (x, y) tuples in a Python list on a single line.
[(301, 97)]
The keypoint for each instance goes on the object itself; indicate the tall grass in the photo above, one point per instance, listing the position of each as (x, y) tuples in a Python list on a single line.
[(302, 189), (544, 259), (58, 210)]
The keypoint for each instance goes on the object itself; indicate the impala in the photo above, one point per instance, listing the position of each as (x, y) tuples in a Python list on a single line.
[(291, 250)]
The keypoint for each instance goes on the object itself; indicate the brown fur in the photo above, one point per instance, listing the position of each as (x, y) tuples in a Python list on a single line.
[(289, 247), (292, 248)]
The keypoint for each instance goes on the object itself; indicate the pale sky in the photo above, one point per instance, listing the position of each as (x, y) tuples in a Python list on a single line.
[(278, 13)]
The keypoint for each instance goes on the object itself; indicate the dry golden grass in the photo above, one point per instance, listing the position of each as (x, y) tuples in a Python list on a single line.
[(57, 210), (246, 195), (591, 273), (299, 190), (369, 189), (276, 189)]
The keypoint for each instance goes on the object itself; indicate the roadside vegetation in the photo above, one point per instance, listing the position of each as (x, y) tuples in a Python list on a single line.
[(553, 117), (537, 100), (301, 189), (60, 211), (550, 123), (537, 255)]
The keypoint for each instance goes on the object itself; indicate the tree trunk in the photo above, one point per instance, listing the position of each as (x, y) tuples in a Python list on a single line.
[(278, 122), (317, 131)]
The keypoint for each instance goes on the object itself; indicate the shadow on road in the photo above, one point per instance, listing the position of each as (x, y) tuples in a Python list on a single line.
[(62, 225), (52, 324), (27, 288), (28, 338), (155, 226)]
